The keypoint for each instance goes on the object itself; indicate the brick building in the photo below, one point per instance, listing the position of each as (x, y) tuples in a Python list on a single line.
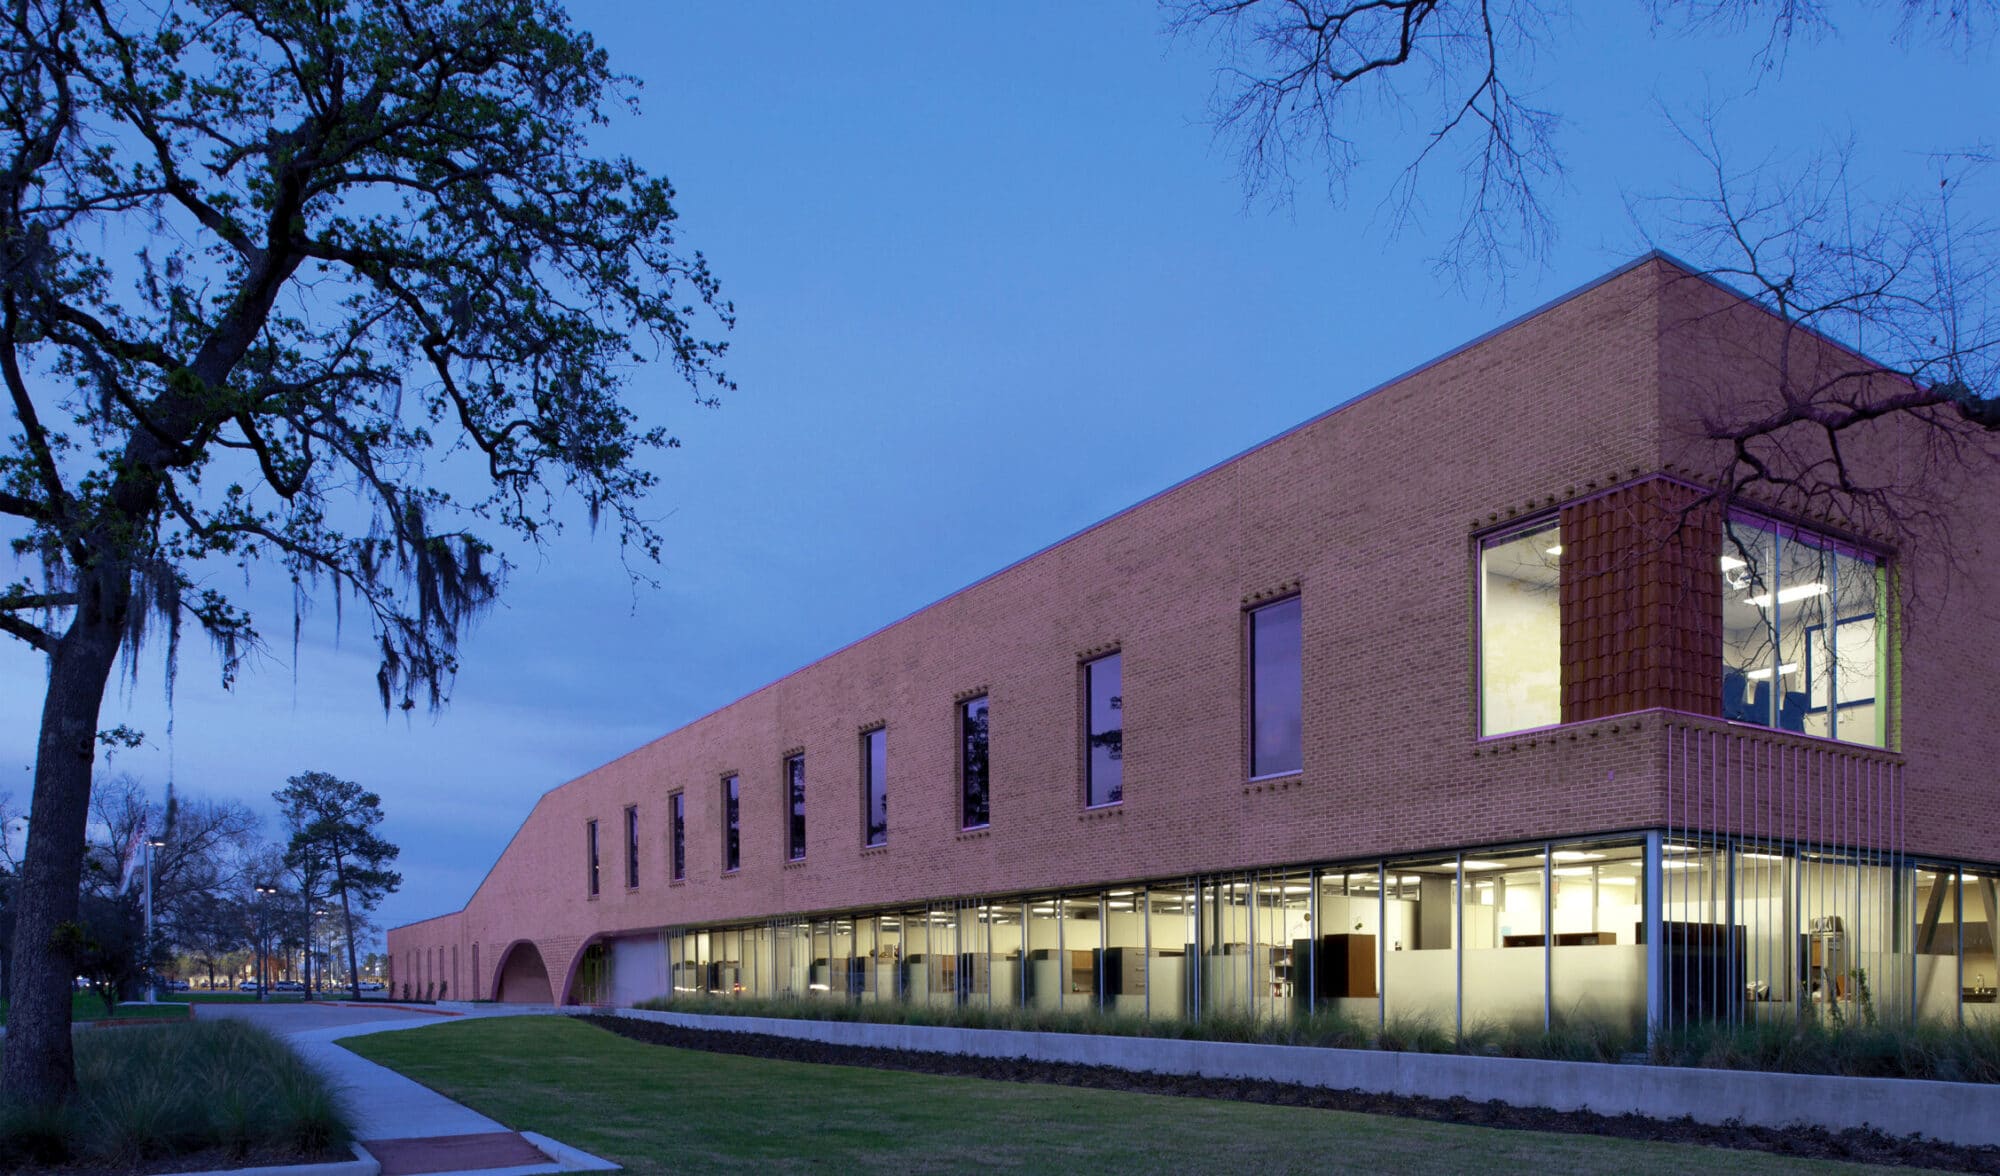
[(1466, 700)]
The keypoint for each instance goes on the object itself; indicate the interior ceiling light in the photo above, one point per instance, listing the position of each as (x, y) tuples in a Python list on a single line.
[(1577, 855), (1555, 550), (1730, 563), (1764, 675), (1475, 864), (1787, 595)]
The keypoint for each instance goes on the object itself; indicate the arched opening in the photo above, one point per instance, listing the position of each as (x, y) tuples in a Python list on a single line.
[(590, 976), (524, 978)]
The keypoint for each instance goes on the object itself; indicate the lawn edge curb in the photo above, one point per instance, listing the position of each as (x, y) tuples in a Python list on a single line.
[(1963, 1114)]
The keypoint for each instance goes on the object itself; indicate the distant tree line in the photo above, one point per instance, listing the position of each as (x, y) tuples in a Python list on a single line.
[(227, 895)]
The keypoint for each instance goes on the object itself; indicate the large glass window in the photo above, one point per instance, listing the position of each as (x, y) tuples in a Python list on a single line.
[(875, 787), (1103, 684), (973, 774), (1801, 647), (795, 799), (590, 838), (631, 846), (677, 813), (1520, 631), (1277, 725), (732, 840)]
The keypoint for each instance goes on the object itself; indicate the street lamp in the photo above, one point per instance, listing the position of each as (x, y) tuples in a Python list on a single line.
[(152, 972), (264, 891)]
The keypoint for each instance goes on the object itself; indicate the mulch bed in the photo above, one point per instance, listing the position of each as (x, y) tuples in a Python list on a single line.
[(211, 1159), (1854, 1146)]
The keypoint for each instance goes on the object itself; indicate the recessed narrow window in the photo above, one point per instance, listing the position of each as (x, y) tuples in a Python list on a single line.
[(795, 799), (875, 786), (631, 846), (732, 841), (677, 813), (590, 829), (1104, 745), (974, 777), (1520, 631), (1277, 726)]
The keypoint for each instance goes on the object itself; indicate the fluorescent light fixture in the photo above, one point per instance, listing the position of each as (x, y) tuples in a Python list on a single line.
[(1787, 595), (1730, 563), (1572, 871), (1475, 864), (1120, 906), (1764, 675), (1556, 550), (1577, 855), (1123, 893), (1763, 857)]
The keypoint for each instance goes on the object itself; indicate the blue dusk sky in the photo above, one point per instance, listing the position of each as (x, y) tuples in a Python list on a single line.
[(995, 281)]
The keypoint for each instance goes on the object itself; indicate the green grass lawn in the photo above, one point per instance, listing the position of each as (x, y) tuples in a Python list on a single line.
[(656, 1109), (85, 1006)]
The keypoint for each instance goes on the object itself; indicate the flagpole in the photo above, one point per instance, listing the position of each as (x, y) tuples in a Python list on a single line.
[(151, 972)]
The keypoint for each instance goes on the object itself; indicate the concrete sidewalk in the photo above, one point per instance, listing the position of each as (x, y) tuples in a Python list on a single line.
[(410, 1128)]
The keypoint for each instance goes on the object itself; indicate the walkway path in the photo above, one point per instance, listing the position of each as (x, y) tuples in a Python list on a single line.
[(408, 1127)]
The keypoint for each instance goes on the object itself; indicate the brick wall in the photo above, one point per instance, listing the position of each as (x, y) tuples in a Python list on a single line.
[(1370, 514)]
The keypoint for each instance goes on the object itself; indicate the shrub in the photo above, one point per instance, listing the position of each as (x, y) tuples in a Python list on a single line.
[(149, 1093), (1859, 1047)]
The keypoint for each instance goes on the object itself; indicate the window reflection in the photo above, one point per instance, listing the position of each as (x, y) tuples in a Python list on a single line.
[(875, 769), (1105, 775), (975, 809), (1800, 644), (1276, 694)]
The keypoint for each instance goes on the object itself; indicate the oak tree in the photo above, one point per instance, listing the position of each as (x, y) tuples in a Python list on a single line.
[(334, 288)]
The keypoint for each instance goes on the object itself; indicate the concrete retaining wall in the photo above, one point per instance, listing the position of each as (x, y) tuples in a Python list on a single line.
[(1952, 1112)]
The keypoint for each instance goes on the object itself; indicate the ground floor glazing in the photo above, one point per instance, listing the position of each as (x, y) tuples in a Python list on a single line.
[(1619, 930)]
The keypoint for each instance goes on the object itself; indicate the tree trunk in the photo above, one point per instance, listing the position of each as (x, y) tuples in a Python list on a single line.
[(40, 1068), (347, 923)]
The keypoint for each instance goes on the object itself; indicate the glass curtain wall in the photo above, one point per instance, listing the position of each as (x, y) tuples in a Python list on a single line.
[(1172, 948), (1122, 970), (1042, 977), (1504, 920), (1348, 953), (1420, 911), (1597, 965), (1496, 936)]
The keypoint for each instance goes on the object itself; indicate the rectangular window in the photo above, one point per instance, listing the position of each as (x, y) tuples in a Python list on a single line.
[(1104, 745), (1801, 649), (677, 813), (631, 846), (795, 799), (1520, 631), (875, 786), (732, 841), (975, 802), (591, 830), (1277, 726)]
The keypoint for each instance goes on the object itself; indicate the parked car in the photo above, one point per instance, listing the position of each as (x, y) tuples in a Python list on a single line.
[(179, 986), (371, 986), (288, 986), (247, 986)]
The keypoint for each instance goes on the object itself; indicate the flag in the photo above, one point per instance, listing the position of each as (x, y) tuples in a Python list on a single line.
[(131, 855)]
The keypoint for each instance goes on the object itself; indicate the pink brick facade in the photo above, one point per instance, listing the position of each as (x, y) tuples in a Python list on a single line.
[(1370, 514)]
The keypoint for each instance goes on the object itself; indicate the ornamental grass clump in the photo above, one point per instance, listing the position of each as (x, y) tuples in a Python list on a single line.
[(148, 1094)]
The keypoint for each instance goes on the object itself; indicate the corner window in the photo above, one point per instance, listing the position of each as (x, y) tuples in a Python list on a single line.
[(1104, 741), (590, 829), (631, 846), (975, 801), (1520, 631), (732, 841), (795, 803), (875, 787), (1801, 647), (677, 814), (1277, 724)]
